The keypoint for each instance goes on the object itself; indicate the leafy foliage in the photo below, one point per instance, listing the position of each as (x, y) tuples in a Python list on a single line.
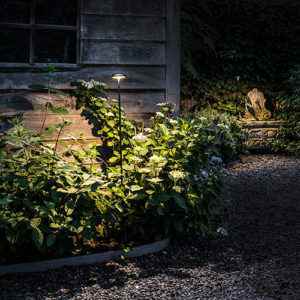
[(225, 96), (47, 203), (103, 114), (54, 204), (288, 109), (221, 43)]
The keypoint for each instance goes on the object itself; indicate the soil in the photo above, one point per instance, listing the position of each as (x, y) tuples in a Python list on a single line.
[(256, 256)]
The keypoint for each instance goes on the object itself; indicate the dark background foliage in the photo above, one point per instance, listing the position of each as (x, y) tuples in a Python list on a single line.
[(230, 46)]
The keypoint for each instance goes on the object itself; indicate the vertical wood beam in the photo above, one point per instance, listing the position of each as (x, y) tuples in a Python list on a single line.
[(173, 53), (32, 31), (79, 29)]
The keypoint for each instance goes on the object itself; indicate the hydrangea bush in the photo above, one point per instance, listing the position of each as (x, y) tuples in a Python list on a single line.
[(55, 204)]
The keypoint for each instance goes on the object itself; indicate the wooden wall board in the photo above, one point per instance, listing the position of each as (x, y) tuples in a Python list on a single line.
[(79, 126), (121, 7), (121, 53), (135, 37), (139, 77), (133, 102), (173, 52), (123, 28), (140, 102)]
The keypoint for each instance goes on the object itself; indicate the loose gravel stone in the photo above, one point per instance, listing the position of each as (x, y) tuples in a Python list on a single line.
[(259, 258)]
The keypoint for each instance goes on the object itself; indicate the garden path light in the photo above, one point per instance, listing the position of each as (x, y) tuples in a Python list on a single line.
[(119, 77)]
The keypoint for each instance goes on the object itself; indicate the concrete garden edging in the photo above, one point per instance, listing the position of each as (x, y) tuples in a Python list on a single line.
[(47, 265)]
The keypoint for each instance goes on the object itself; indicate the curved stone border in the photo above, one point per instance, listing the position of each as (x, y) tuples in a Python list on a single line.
[(44, 266)]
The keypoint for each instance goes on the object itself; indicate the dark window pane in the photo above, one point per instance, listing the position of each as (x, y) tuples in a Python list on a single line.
[(14, 45), (55, 46), (15, 11), (56, 12)]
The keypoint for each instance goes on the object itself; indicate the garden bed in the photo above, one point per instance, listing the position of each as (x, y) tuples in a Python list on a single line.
[(136, 185), (258, 259)]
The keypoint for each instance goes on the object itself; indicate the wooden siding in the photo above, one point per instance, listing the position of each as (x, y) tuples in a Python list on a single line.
[(173, 52), (133, 101), (122, 53), (141, 102), (123, 7), (79, 126), (139, 77), (135, 37), (123, 32), (124, 28)]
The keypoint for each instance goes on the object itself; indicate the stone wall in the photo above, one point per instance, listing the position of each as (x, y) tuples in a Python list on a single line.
[(261, 133)]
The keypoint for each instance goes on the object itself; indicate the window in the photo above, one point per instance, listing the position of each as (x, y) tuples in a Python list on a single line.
[(38, 31)]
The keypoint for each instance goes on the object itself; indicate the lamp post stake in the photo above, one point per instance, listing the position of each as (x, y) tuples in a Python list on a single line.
[(118, 78), (120, 131)]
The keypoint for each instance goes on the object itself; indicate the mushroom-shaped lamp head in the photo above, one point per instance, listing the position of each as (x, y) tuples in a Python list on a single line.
[(119, 77)]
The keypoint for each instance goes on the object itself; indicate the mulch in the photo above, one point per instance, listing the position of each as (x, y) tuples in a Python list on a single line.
[(259, 258)]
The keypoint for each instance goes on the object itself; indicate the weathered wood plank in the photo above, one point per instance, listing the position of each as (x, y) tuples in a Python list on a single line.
[(173, 52), (27, 102), (140, 103), (144, 40), (138, 77), (123, 28), (138, 7), (136, 53), (78, 128), (139, 106)]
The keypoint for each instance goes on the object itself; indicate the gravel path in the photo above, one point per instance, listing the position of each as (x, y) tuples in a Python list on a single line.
[(259, 259)]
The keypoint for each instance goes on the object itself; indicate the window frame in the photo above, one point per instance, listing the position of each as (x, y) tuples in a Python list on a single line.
[(32, 27)]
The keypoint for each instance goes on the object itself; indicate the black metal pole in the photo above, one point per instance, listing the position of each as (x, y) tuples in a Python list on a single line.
[(120, 131)]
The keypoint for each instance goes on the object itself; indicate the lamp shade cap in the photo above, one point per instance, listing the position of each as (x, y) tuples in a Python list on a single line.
[(119, 77)]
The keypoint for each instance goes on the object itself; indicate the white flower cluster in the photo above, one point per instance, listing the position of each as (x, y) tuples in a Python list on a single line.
[(203, 175), (222, 231), (177, 174), (215, 160), (160, 114), (173, 122), (157, 160), (148, 130), (140, 138), (92, 84), (162, 104)]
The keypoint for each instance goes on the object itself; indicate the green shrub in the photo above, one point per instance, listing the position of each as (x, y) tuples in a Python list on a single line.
[(288, 139), (55, 204), (220, 44), (229, 137), (48, 204), (225, 96), (220, 40)]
